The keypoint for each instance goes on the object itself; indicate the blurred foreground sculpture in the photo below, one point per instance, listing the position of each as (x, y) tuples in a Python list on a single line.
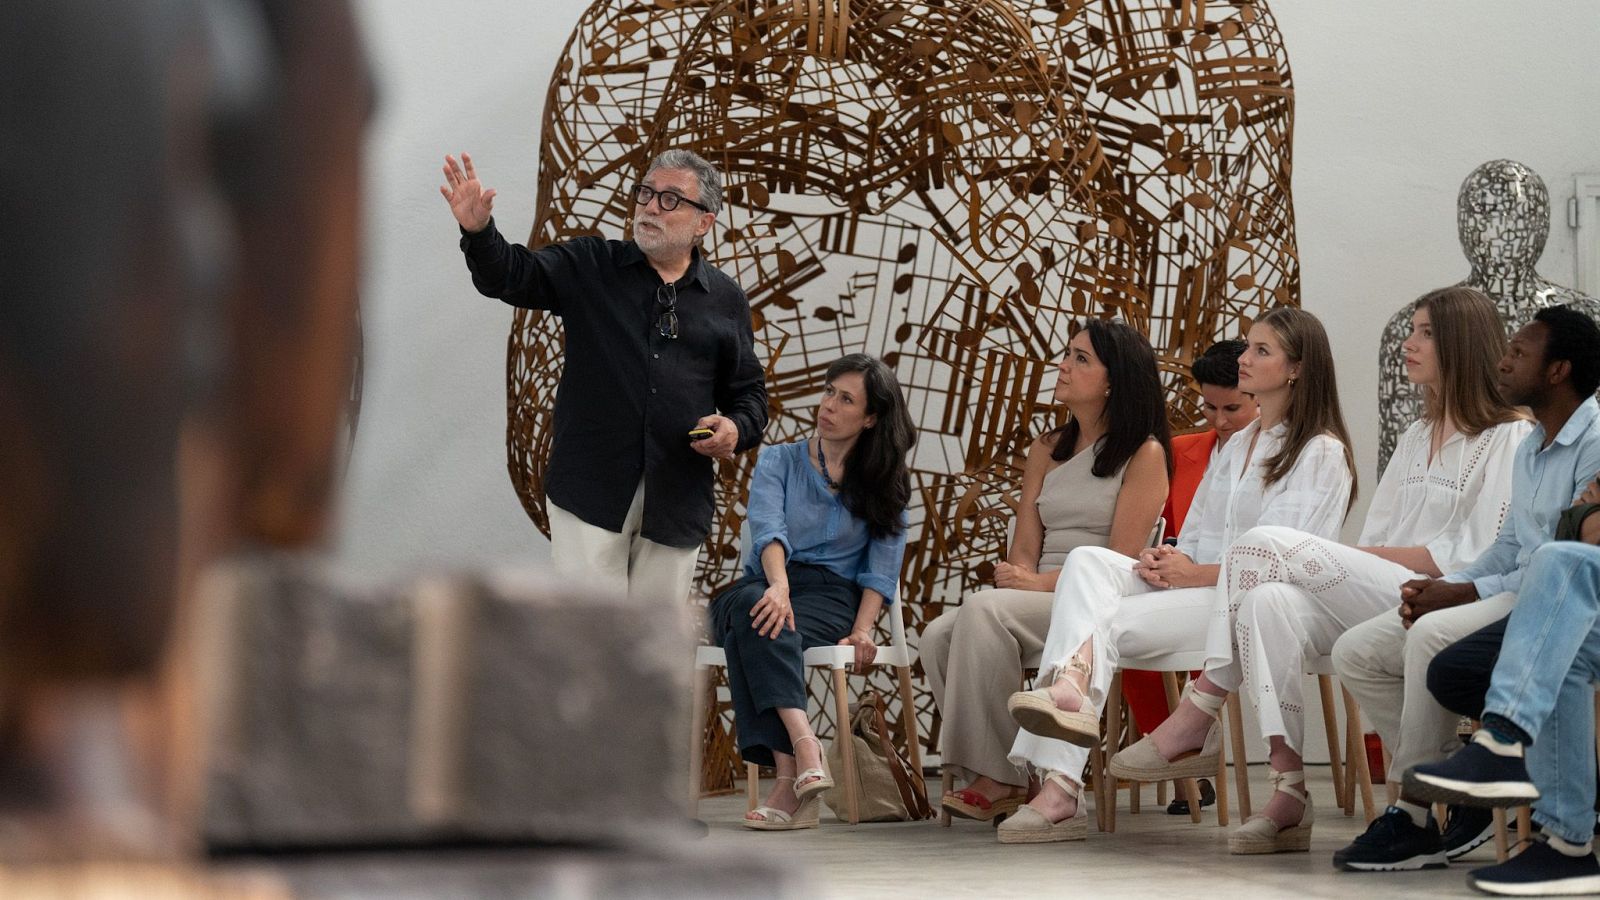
[(175, 352), (946, 185), (1503, 219)]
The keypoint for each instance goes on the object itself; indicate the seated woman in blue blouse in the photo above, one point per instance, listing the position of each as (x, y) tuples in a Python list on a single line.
[(828, 532)]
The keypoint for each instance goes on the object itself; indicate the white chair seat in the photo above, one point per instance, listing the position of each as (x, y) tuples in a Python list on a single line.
[(899, 655), (837, 657), (1181, 661)]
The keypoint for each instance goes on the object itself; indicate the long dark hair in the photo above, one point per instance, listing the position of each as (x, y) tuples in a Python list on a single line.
[(877, 482), (1136, 408), (1313, 394)]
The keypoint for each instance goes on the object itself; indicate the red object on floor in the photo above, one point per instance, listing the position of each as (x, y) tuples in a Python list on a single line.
[(1147, 697), (1374, 746)]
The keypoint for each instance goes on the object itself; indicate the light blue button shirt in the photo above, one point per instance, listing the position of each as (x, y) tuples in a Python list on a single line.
[(1544, 482), (791, 504)]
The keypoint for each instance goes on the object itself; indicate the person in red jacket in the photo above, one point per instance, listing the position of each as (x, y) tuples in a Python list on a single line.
[(1226, 409)]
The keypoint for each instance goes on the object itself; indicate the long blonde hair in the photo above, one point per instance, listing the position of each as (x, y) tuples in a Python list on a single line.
[(1468, 338), (1313, 394)]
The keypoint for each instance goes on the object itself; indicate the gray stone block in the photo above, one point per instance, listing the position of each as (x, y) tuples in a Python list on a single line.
[(505, 707)]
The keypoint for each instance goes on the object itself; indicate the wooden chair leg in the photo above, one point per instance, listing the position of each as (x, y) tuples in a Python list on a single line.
[(1161, 794), (1097, 773), (947, 783), (908, 720), (1222, 778), (700, 710), (1331, 724), (752, 785), (1347, 771), (1188, 787), (1113, 742), (1241, 754), (847, 747), (1524, 823), (1136, 788), (1362, 773), (1501, 851)]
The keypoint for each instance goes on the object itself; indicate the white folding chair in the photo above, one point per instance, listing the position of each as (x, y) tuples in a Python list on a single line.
[(899, 654)]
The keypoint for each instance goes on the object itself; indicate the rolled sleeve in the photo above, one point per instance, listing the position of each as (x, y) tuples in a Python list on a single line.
[(880, 570), (1496, 569), (765, 511), (1189, 534)]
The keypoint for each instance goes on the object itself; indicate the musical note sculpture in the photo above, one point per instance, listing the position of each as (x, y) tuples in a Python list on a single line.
[(948, 185)]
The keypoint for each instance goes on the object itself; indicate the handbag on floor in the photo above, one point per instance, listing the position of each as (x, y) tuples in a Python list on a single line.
[(890, 791)]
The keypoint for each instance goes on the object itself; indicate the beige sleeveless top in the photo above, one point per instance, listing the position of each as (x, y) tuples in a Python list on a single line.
[(1076, 508)]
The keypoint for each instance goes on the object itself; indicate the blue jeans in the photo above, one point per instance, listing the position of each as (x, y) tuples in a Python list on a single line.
[(1544, 682)]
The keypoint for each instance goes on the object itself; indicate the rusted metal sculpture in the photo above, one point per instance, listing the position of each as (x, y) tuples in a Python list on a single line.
[(948, 185)]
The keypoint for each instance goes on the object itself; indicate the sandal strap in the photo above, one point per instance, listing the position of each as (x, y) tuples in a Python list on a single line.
[(1077, 664), (772, 814), (1210, 704), (973, 797), (1065, 783), (1289, 783)]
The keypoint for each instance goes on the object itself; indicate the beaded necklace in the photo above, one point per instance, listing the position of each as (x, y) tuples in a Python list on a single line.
[(822, 462)]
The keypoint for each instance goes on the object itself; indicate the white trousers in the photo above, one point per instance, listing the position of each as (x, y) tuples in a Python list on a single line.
[(620, 563), (1100, 599), (1385, 666), (1286, 596)]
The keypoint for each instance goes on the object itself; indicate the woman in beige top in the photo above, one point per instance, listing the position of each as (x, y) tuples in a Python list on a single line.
[(1099, 480)]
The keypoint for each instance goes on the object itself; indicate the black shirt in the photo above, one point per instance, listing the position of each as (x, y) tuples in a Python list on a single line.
[(628, 396)]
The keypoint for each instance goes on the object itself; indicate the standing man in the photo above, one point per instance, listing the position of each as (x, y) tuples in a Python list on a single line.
[(658, 345)]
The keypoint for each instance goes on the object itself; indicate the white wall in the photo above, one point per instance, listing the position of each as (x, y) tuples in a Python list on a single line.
[(1397, 102)]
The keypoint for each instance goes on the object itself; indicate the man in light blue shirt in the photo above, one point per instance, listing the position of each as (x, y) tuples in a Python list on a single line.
[(1384, 661)]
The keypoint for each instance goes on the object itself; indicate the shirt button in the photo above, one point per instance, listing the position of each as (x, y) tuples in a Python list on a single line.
[(655, 356), (652, 390)]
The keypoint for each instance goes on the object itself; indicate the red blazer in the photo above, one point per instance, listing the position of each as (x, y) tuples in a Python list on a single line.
[(1191, 453)]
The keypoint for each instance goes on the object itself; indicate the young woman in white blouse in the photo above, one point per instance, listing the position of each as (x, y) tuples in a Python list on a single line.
[(1290, 467), (1286, 593)]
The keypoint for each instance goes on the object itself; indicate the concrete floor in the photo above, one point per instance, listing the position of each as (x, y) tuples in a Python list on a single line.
[(1150, 854)]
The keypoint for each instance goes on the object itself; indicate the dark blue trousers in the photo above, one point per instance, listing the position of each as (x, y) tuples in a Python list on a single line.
[(767, 674), (1459, 675)]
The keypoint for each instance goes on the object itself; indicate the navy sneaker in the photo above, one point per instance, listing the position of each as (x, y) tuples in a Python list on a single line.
[(1473, 776), (1466, 828), (1393, 843), (1539, 870)]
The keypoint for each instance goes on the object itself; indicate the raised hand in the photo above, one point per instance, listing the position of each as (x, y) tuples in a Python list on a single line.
[(469, 202)]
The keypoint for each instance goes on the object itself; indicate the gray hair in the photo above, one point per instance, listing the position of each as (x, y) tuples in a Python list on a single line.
[(705, 173)]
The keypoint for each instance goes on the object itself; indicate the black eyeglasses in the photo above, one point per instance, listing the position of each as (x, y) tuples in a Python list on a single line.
[(668, 200), (667, 321)]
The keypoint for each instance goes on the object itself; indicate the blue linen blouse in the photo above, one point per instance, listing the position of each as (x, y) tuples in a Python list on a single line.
[(791, 504)]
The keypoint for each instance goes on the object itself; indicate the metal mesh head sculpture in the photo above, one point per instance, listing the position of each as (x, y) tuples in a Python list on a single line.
[(1503, 220), (947, 185)]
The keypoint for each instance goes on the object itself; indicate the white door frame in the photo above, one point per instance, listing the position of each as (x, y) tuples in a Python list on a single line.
[(1584, 215)]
